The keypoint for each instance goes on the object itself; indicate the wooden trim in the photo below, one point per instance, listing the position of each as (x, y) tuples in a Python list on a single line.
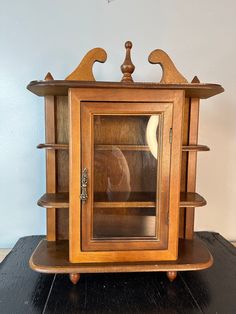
[(184, 165), (50, 134), (124, 204), (123, 147), (54, 200), (192, 164), (89, 109), (190, 199), (84, 71), (75, 176), (170, 73), (61, 88), (195, 148), (53, 146), (175, 174)]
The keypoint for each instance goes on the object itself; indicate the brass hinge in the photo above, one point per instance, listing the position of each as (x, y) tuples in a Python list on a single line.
[(167, 218), (170, 135)]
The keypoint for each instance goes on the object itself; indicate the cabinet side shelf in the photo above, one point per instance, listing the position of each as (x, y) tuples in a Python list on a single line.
[(53, 146)]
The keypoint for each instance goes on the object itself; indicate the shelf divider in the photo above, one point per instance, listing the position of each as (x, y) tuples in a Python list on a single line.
[(53, 146)]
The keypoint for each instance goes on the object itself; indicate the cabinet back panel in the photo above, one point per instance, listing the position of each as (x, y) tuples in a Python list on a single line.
[(138, 162), (130, 129), (117, 131)]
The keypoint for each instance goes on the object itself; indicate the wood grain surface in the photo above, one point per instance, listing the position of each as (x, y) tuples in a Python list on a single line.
[(208, 291), (50, 136), (143, 103), (53, 258), (170, 72), (84, 71), (61, 88)]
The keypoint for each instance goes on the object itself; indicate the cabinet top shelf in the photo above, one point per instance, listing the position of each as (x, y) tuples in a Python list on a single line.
[(61, 87)]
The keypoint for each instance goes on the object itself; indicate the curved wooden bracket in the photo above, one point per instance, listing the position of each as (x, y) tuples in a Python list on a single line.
[(84, 71), (170, 73)]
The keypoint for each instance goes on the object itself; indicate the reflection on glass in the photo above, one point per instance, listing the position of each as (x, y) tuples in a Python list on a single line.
[(151, 134), (125, 176), (121, 180)]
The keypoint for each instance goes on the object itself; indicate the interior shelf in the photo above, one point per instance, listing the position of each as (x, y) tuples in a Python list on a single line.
[(53, 257), (185, 148), (61, 200), (123, 147), (53, 146)]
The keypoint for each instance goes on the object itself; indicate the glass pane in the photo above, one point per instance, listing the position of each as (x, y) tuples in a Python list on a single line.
[(124, 222), (125, 176)]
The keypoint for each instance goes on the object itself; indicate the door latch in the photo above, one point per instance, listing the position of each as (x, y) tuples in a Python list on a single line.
[(84, 184)]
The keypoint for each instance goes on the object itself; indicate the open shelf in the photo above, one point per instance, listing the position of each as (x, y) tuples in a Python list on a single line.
[(53, 257), (185, 148), (61, 200), (54, 200), (53, 146), (190, 199), (195, 148)]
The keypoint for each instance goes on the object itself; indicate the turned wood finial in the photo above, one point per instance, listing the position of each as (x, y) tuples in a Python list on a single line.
[(74, 278), (170, 74), (48, 77), (171, 275), (127, 67)]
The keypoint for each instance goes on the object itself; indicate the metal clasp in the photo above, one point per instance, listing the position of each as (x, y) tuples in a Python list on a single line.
[(84, 184)]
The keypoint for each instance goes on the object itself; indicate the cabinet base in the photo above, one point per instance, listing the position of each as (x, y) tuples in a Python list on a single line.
[(53, 257)]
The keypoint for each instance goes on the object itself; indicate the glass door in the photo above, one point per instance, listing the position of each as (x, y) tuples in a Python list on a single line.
[(125, 176), (126, 168)]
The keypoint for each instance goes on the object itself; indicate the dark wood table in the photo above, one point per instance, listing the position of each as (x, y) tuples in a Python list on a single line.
[(209, 291)]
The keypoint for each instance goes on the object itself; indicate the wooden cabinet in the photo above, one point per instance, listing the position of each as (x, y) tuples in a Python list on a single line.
[(121, 171)]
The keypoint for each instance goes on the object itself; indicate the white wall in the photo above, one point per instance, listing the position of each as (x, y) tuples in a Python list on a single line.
[(41, 36)]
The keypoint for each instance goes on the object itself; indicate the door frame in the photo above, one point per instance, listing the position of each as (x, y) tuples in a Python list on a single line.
[(76, 97), (88, 111)]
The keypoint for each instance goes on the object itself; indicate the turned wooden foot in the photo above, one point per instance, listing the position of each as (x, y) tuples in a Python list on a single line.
[(171, 275), (74, 278)]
